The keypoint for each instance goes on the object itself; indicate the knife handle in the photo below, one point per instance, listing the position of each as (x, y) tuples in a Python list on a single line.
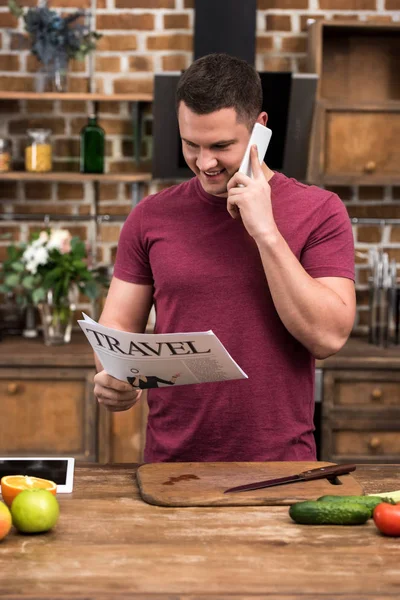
[(332, 471)]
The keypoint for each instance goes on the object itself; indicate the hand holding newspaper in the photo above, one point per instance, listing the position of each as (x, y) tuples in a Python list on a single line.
[(149, 360)]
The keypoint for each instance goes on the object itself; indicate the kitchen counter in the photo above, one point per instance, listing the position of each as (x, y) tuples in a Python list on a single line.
[(109, 544), (19, 351)]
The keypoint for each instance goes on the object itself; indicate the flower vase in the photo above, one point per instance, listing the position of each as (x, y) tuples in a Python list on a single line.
[(56, 317), (53, 77)]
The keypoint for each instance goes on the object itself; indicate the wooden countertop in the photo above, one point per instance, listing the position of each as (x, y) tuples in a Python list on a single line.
[(109, 544), (356, 354)]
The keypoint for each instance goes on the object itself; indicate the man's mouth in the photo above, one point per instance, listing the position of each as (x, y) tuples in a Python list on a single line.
[(213, 174)]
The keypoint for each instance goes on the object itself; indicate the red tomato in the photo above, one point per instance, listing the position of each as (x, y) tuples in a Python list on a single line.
[(387, 518)]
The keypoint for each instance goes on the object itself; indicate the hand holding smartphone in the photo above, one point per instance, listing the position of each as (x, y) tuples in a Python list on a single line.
[(260, 136)]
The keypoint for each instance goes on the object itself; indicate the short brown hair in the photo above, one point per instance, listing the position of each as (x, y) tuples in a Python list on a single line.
[(219, 81)]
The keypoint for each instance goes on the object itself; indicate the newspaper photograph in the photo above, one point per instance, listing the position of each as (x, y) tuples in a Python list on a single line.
[(148, 360)]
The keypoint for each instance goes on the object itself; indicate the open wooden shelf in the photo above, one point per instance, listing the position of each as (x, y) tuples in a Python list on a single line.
[(76, 96), (76, 177)]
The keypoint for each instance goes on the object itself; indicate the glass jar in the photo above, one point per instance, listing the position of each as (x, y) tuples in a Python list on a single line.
[(5, 155), (38, 152)]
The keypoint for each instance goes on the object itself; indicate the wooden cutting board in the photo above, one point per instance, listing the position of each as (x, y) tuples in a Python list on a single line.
[(203, 484)]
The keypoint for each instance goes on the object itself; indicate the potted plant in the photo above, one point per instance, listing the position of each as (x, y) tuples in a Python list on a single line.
[(56, 39), (48, 272)]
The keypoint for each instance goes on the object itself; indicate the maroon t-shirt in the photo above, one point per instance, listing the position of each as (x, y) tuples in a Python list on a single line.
[(207, 274)]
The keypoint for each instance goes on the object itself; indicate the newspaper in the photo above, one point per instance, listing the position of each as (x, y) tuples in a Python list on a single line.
[(160, 360)]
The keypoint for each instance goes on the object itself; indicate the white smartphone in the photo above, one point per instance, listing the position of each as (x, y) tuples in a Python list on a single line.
[(260, 136)]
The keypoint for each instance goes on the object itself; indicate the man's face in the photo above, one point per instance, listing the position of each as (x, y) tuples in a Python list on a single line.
[(213, 146)]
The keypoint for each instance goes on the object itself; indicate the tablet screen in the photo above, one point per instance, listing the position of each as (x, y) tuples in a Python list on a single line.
[(59, 470)]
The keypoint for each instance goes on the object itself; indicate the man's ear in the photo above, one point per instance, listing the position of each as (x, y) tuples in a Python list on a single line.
[(262, 118)]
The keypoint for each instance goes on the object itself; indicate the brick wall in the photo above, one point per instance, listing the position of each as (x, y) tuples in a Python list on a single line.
[(141, 37)]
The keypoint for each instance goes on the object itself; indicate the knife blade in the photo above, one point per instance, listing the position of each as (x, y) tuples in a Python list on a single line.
[(311, 474)]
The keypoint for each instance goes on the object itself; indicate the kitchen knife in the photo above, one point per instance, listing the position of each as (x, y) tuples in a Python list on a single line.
[(320, 473)]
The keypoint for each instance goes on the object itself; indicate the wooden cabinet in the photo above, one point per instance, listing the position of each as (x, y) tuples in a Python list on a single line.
[(356, 123), (47, 406), (361, 405)]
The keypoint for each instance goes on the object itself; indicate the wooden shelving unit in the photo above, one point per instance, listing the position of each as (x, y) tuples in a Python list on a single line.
[(76, 177), (76, 96)]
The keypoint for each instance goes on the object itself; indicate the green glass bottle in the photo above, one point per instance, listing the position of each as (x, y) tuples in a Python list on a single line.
[(92, 147)]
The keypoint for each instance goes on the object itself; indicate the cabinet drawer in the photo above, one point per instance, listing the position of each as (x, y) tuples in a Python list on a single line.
[(366, 443), (372, 393), (51, 412)]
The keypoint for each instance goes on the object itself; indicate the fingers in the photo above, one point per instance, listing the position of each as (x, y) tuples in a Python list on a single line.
[(114, 394), (238, 179)]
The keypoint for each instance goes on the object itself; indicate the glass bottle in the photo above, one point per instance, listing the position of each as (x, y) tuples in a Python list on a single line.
[(5, 155), (38, 152), (92, 147)]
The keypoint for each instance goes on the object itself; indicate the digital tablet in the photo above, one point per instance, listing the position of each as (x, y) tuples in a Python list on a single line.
[(57, 469)]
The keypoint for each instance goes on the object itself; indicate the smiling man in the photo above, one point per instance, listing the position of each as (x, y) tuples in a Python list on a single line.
[(266, 263)]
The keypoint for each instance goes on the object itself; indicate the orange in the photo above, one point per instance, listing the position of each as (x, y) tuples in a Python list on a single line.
[(5, 520), (12, 485)]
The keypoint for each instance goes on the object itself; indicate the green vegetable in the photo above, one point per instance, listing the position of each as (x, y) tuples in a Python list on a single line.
[(315, 512), (394, 496), (369, 501)]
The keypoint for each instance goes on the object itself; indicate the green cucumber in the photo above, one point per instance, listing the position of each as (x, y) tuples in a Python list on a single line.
[(315, 512), (368, 501)]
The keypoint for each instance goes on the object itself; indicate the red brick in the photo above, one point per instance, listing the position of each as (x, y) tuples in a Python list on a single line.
[(20, 41), (380, 18), (110, 64), (141, 63), (69, 4), (277, 63), (174, 62), (38, 191), (178, 41), (370, 235), (57, 125), (66, 148), (73, 106), (115, 209), (39, 107), (281, 4), (133, 86), (70, 191), (278, 23), (17, 84), (35, 208), (8, 20), (9, 62), (9, 232), (108, 107), (344, 192), (130, 166), (78, 84), (117, 43), (264, 43), (176, 21), (347, 4), (109, 233), (378, 211), (188, 4), (111, 126), (149, 4), (392, 4), (108, 191), (129, 21), (294, 44), (84, 209)]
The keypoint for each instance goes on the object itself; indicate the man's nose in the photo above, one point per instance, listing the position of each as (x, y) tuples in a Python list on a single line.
[(206, 160)]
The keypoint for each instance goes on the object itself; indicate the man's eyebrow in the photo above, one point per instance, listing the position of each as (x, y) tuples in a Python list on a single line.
[(219, 143)]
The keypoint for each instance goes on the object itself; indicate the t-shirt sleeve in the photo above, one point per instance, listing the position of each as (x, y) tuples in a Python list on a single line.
[(329, 251), (132, 260)]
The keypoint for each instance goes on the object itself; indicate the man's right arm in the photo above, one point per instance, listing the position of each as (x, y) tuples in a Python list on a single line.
[(127, 308)]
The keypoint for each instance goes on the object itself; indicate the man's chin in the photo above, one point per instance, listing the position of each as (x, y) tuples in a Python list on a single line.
[(219, 189)]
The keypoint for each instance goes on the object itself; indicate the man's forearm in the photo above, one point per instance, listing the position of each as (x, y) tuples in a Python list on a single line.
[(313, 313)]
